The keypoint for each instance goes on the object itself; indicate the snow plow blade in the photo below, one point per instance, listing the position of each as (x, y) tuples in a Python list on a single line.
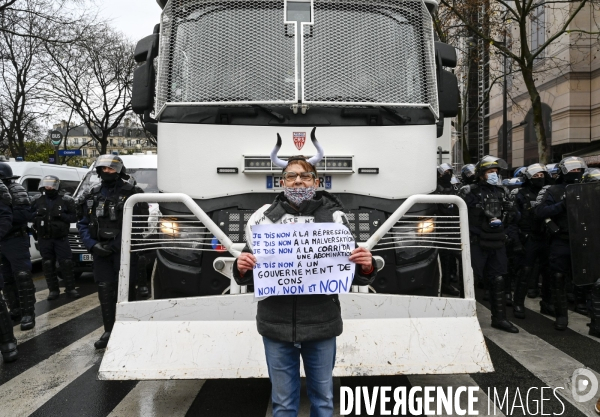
[(215, 337)]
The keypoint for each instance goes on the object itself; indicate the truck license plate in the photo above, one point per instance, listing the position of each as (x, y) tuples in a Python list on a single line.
[(86, 257)]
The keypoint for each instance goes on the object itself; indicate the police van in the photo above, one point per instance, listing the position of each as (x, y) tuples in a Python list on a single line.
[(30, 175), (141, 167)]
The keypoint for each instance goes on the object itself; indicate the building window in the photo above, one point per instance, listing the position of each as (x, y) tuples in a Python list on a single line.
[(76, 141), (538, 28), (111, 142), (128, 142)]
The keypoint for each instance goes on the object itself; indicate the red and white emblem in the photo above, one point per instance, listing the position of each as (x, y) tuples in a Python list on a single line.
[(299, 139)]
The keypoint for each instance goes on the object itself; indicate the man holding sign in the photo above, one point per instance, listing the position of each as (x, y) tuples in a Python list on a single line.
[(300, 255)]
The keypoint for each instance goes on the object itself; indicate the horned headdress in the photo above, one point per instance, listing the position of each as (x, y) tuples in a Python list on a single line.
[(313, 161)]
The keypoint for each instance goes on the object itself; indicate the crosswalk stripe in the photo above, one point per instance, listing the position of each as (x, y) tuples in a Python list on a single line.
[(41, 295), (29, 390), (56, 317), (455, 381), (159, 398), (577, 322), (549, 364)]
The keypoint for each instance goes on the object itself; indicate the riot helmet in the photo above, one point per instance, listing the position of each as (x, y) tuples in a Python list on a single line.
[(455, 180), (489, 162), (467, 174), (111, 161), (567, 167), (445, 167), (591, 175), (552, 170), (6, 172), (49, 181), (519, 172), (534, 169)]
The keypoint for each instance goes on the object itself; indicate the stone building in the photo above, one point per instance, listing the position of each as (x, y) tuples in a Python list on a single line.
[(568, 80), (127, 138)]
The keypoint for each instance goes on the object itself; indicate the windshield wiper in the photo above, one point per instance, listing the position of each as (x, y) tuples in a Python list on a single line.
[(278, 116)]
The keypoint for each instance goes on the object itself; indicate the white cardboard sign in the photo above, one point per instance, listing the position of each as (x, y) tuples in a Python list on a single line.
[(302, 258)]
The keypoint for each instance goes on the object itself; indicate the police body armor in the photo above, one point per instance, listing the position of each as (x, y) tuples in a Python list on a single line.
[(49, 226), (20, 200), (490, 206), (529, 222), (5, 194), (106, 212), (447, 209), (559, 193)]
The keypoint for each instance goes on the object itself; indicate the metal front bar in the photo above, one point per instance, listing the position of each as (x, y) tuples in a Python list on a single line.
[(161, 198), (464, 231)]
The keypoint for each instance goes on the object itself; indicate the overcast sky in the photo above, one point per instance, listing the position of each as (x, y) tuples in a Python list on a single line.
[(135, 18)]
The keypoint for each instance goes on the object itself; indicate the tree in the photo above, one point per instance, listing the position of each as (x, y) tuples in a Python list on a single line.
[(512, 21), (93, 76)]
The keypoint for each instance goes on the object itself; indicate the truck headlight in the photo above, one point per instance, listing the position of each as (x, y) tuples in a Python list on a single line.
[(425, 226), (169, 227)]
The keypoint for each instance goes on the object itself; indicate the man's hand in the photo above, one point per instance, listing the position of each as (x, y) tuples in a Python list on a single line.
[(245, 262), (362, 257), (101, 250)]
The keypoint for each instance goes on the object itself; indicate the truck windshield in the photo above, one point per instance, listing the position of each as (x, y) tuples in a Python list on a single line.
[(352, 53), (145, 178)]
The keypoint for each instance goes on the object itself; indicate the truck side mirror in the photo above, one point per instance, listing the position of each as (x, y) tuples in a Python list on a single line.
[(144, 76), (448, 94), (142, 91), (446, 54)]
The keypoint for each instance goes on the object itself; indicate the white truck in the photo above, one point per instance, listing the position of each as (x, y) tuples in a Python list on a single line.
[(231, 76)]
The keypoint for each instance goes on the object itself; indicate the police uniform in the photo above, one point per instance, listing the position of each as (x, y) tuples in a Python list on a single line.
[(533, 236), (8, 343), (553, 207), (447, 257), (100, 230), (490, 208), (54, 214), (16, 260)]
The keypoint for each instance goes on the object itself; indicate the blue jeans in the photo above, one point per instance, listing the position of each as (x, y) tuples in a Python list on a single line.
[(283, 361)]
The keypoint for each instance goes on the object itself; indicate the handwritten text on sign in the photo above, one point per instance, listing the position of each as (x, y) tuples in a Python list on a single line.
[(302, 258)]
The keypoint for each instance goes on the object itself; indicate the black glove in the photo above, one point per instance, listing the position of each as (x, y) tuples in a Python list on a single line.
[(101, 250), (41, 212)]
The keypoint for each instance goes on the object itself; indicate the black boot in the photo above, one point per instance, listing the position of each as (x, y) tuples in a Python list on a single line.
[(559, 296), (51, 278), (26, 299), (8, 343), (143, 293), (580, 299), (534, 288), (498, 306), (107, 294), (448, 265), (66, 267), (12, 300), (521, 292)]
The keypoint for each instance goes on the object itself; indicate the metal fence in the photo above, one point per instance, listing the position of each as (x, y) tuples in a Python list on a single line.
[(199, 232)]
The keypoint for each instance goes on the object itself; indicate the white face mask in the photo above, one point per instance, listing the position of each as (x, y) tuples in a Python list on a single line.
[(492, 178)]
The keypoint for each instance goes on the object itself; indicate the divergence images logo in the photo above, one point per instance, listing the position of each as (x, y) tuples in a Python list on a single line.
[(584, 385), (299, 139)]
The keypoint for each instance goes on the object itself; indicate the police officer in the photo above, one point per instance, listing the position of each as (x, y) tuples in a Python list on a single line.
[(593, 175), (14, 246), (8, 343), (447, 257), (54, 214), (100, 229), (553, 208), (467, 174), (533, 236), (490, 209)]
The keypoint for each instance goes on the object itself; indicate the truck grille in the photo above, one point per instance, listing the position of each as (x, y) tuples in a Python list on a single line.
[(76, 243)]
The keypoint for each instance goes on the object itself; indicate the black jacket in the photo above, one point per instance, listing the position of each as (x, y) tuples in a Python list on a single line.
[(60, 213), (302, 318)]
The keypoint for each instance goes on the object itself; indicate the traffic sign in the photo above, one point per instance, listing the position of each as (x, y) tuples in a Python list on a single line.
[(56, 137), (69, 152), (51, 160)]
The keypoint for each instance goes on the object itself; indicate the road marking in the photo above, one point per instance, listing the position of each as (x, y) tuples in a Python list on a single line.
[(547, 363), (41, 295), (25, 393), (304, 410), (56, 317), (577, 322), (454, 381), (159, 398)]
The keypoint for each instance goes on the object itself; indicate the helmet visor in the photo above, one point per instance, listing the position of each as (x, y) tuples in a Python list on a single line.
[(489, 162), (569, 164), (468, 170), (50, 181), (534, 169), (591, 175), (111, 161), (445, 167)]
